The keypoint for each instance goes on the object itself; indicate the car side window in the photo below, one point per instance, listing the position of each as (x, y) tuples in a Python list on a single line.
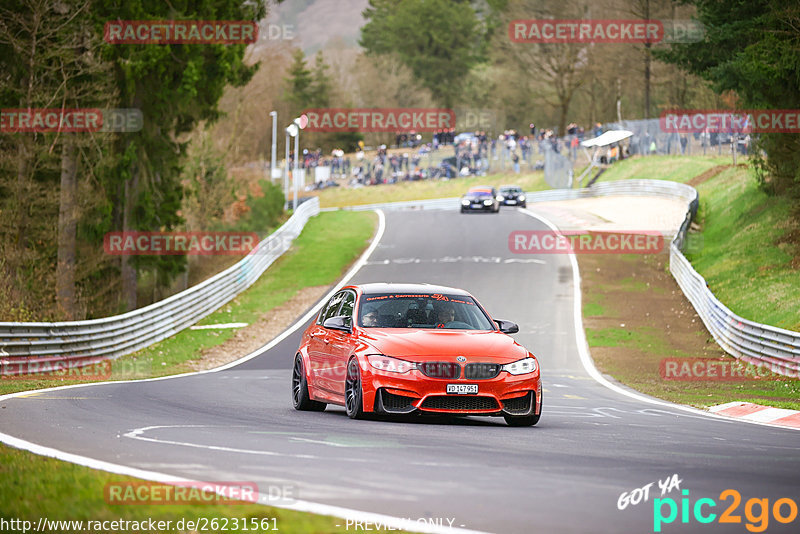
[(331, 308), (348, 303)]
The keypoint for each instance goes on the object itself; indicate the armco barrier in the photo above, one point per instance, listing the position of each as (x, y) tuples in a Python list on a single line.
[(752, 342), (80, 343)]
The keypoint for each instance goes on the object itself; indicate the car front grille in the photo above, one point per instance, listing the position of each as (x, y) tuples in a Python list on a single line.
[(447, 370), (519, 405), (481, 371), (459, 402), (396, 403)]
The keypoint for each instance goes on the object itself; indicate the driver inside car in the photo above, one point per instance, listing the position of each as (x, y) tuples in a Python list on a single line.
[(445, 314), (370, 318)]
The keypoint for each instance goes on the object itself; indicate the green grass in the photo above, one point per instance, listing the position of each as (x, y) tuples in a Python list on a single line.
[(337, 197), (329, 243), (36, 487), (674, 168), (594, 305), (644, 339), (742, 257)]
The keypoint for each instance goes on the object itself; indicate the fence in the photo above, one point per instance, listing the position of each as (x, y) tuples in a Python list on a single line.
[(78, 343)]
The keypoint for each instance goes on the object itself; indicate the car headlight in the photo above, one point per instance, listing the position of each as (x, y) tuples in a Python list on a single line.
[(521, 367), (500, 198), (521, 197), (389, 364), (487, 202), (465, 202)]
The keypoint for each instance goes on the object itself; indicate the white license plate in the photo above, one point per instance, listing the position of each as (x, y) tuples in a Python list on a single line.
[(511, 201), (462, 389)]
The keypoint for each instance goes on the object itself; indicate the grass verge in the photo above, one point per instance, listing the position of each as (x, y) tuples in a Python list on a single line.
[(38, 487), (746, 257)]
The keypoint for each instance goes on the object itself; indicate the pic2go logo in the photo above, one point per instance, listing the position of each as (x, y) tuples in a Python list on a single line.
[(756, 511)]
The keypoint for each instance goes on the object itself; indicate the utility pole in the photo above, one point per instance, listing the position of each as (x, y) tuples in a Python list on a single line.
[(272, 163)]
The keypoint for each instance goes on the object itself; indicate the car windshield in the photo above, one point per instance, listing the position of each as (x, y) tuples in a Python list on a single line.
[(434, 310), (480, 192), (510, 190)]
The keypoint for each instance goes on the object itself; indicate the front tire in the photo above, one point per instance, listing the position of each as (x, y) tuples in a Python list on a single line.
[(521, 420), (300, 398), (353, 392), (525, 420)]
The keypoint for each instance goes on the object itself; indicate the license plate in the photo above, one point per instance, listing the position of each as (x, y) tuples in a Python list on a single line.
[(477, 205), (462, 389), (511, 201)]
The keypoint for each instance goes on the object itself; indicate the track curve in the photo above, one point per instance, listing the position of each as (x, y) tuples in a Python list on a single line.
[(564, 475)]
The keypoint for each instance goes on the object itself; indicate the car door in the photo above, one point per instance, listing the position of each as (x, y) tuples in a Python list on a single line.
[(340, 347), (318, 341)]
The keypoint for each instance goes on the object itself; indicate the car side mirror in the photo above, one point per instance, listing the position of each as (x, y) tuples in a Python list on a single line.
[(507, 327), (340, 322)]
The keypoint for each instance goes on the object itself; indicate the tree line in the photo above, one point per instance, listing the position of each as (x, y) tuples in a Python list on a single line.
[(60, 193)]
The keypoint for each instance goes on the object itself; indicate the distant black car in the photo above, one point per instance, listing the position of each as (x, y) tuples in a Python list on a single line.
[(481, 198), (513, 195)]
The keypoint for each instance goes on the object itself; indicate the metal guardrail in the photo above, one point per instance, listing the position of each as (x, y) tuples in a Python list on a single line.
[(749, 341), (623, 187), (433, 204), (88, 341), (78, 343)]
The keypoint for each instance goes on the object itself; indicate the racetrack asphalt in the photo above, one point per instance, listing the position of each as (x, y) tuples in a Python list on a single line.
[(564, 475)]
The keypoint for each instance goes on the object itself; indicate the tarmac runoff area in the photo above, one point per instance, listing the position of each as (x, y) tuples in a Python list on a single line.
[(614, 214)]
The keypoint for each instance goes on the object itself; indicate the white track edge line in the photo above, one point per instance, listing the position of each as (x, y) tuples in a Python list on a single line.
[(586, 358), (297, 505)]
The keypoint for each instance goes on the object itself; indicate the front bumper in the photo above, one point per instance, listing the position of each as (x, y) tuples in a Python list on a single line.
[(412, 392)]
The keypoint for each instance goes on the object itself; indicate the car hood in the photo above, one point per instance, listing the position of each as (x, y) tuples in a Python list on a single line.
[(444, 345)]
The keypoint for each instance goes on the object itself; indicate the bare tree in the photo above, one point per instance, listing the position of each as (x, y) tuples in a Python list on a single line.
[(558, 70)]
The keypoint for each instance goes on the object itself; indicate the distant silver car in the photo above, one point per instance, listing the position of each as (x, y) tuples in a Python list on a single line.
[(513, 195)]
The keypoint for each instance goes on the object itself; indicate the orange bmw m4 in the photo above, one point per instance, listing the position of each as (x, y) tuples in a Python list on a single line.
[(414, 348)]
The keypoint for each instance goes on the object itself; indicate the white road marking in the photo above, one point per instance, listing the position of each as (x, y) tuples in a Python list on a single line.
[(138, 433)]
